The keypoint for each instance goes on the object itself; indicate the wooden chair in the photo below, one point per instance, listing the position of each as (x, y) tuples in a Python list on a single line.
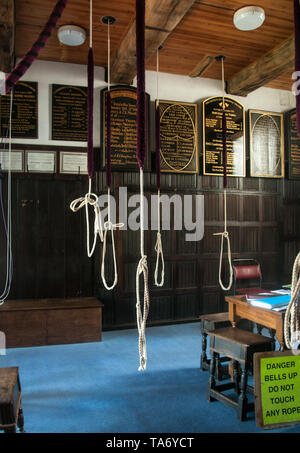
[(239, 345), (209, 323), (247, 270), (11, 414)]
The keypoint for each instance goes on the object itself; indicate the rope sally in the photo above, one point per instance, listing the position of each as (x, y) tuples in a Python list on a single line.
[(158, 245), (90, 199), (142, 268), (292, 314), (224, 235), (109, 226), (33, 53)]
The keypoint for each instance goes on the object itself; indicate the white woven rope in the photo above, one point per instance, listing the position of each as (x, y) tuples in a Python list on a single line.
[(142, 269), (109, 226), (291, 318), (225, 236), (158, 245), (9, 263), (91, 24), (90, 199), (159, 250)]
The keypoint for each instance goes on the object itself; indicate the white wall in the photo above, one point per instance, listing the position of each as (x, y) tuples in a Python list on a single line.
[(171, 87)]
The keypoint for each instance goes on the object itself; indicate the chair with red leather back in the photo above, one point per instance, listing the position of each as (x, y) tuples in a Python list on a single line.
[(247, 270)]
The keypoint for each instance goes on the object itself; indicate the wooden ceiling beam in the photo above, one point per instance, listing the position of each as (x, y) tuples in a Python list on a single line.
[(161, 18), (203, 65), (7, 35), (262, 71)]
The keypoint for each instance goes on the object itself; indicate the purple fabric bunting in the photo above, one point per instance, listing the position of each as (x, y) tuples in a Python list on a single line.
[(108, 139), (90, 125), (32, 54), (157, 130), (224, 128), (297, 57), (141, 94)]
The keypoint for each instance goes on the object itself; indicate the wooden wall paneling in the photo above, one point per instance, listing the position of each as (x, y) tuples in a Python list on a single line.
[(125, 312), (213, 206), (250, 184), (269, 239), (78, 267), (27, 234), (250, 208), (57, 205), (269, 208), (43, 251), (251, 240), (161, 309), (186, 306), (270, 267), (211, 302), (186, 274), (233, 207), (209, 271)]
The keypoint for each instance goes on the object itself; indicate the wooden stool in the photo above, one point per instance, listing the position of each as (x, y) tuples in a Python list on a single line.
[(209, 323), (11, 414), (239, 345)]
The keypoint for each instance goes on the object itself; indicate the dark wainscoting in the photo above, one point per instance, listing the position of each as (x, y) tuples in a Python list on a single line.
[(49, 243)]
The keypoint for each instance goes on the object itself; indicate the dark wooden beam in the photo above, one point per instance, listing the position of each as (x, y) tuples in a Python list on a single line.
[(203, 65), (7, 35), (262, 71), (162, 17)]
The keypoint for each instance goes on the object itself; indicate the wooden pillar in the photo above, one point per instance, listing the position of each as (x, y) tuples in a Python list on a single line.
[(7, 35)]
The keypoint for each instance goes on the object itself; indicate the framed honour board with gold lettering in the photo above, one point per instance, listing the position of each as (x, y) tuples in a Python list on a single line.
[(292, 145), (123, 128), (212, 137), (24, 111), (69, 113), (178, 137), (266, 142)]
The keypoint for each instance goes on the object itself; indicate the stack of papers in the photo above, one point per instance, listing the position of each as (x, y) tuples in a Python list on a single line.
[(275, 302)]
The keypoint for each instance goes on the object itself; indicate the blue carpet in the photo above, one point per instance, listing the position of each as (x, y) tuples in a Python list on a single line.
[(96, 387)]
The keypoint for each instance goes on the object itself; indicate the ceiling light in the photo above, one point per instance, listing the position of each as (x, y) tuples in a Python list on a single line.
[(71, 35), (249, 18)]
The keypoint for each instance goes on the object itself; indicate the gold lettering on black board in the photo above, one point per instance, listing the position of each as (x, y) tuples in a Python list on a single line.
[(212, 137), (123, 128), (178, 137), (69, 113), (24, 111)]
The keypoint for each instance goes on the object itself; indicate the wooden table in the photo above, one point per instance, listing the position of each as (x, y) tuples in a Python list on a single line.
[(239, 308)]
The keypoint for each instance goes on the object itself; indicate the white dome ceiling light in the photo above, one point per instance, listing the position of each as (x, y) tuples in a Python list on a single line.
[(71, 35), (249, 18)]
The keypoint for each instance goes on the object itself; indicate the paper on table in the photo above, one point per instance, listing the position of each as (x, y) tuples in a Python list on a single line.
[(282, 291)]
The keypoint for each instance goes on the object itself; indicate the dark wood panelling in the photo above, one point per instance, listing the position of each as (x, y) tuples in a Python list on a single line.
[(49, 243)]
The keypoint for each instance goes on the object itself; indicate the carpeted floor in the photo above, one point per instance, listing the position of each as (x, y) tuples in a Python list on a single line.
[(96, 387)]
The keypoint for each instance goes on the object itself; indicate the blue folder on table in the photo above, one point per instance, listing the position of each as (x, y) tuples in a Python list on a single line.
[(270, 302)]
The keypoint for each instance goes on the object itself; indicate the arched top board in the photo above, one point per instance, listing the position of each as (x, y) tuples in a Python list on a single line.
[(212, 137)]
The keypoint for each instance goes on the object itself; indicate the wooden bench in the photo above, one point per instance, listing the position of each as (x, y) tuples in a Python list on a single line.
[(40, 322), (208, 323), (239, 345), (11, 414)]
